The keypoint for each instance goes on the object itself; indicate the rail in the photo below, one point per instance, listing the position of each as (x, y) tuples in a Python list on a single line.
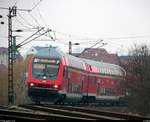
[(100, 112), (21, 115), (84, 112)]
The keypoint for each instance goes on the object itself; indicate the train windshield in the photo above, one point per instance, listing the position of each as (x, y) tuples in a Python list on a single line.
[(45, 68)]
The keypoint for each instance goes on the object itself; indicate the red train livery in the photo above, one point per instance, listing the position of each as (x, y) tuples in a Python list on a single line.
[(59, 77)]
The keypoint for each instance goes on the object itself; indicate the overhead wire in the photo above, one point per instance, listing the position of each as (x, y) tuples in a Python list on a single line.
[(70, 35), (22, 24), (19, 45), (36, 5), (35, 20), (129, 37), (42, 19), (34, 38), (93, 45), (28, 23), (96, 44)]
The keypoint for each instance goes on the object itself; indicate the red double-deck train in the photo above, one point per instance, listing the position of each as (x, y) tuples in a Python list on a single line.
[(59, 77)]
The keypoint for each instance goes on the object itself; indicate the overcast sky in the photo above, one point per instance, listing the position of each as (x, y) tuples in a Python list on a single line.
[(120, 23)]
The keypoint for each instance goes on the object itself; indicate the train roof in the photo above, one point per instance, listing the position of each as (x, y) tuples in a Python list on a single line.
[(76, 62), (50, 52), (106, 68)]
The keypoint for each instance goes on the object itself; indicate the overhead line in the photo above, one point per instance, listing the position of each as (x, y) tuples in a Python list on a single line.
[(34, 19), (17, 9), (96, 44), (36, 5), (129, 37), (29, 37), (25, 20), (21, 23), (34, 38), (41, 17)]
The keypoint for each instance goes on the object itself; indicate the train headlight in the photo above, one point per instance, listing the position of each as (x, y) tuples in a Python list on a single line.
[(55, 86), (44, 77), (32, 84)]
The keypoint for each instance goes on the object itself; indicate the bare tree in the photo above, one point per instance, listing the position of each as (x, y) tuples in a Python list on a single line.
[(138, 79)]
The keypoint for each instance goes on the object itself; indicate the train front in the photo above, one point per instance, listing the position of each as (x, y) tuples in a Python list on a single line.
[(44, 79)]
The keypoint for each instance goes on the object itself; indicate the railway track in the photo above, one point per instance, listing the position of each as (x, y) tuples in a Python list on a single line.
[(100, 112), (58, 112), (71, 113), (6, 114), (81, 112)]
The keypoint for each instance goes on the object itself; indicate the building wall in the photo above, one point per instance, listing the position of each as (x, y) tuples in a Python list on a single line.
[(3, 85), (4, 59)]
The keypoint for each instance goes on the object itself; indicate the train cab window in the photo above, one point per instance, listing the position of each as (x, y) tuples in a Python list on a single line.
[(45, 67)]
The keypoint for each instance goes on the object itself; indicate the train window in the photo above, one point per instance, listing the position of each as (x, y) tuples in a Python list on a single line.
[(103, 71), (99, 81), (76, 88), (70, 88), (108, 91), (103, 82), (48, 70), (98, 89), (106, 71), (103, 91), (69, 74), (92, 80), (110, 71)]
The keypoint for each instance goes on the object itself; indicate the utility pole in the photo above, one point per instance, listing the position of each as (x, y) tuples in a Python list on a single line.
[(70, 47), (12, 13), (14, 47), (11, 48)]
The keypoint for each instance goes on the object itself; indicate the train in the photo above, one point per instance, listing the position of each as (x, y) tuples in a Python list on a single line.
[(58, 77)]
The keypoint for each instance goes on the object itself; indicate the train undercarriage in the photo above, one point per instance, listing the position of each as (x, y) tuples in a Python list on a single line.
[(39, 95)]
